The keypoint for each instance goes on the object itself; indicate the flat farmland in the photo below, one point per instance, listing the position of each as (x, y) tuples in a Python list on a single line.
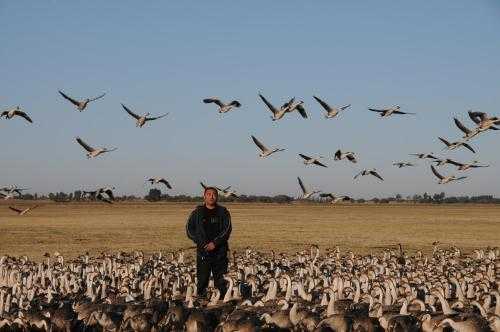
[(74, 228)]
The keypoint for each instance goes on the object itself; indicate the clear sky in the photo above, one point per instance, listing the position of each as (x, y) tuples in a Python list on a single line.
[(436, 58)]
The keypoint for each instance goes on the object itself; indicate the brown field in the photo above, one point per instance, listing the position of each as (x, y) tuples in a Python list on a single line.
[(73, 228)]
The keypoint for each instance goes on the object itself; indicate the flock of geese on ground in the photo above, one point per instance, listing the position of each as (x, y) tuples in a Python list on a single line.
[(307, 291), (483, 122)]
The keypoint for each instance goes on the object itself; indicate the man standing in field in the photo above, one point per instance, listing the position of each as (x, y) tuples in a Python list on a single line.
[(209, 226)]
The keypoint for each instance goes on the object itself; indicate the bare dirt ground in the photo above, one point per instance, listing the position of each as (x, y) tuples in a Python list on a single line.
[(74, 228)]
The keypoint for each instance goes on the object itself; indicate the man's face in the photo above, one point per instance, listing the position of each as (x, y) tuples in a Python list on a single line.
[(210, 197)]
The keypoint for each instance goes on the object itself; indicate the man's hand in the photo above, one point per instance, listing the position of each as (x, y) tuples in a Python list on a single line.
[(210, 246)]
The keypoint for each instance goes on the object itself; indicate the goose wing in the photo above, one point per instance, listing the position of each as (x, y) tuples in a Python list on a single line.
[(259, 144), (98, 97), (73, 101), (358, 175), (375, 174), (444, 141), (377, 110), (156, 117), (302, 111), (213, 100), (337, 155), (453, 162), (323, 103), (344, 107), (268, 104), (330, 195), (203, 185), (460, 126), (304, 156), (109, 150), (401, 112), (477, 117), (301, 184), (109, 192), (165, 182), (85, 145), (351, 158), (467, 146), (132, 114), (24, 115), (317, 162), (16, 210), (436, 172), (235, 103)]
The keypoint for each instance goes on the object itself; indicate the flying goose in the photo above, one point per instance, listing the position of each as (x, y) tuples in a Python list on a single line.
[(331, 112), (24, 211), (14, 189), (423, 155), (402, 164), (6, 196), (306, 194), (445, 179), (466, 166), (156, 180), (335, 198), (226, 192), (265, 152), (369, 172), (80, 105), (339, 155), (468, 133), (310, 161), (385, 112), (287, 107), (455, 145), (483, 121), (141, 120), (223, 108), (16, 111), (105, 194), (93, 152), (442, 162)]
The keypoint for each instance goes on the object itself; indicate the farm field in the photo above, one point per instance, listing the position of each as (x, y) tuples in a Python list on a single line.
[(74, 228)]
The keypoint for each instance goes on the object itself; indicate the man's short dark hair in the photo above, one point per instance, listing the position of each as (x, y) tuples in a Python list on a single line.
[(211, 188)]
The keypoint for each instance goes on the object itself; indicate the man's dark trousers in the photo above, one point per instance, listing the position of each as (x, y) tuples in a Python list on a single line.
[(215, 264)]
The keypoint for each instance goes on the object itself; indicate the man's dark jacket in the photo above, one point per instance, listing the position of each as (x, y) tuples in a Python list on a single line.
[(196, 232)]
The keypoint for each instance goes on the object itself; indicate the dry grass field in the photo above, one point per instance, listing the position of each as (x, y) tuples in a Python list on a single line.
[(73, 228)]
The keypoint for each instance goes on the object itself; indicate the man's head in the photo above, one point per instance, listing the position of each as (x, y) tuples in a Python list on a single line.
[(210, 196)]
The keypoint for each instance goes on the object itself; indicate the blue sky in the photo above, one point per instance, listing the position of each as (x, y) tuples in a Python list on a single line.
[(438, 59)]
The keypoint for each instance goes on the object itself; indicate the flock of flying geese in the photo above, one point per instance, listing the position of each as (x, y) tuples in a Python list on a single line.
[(483, 123)]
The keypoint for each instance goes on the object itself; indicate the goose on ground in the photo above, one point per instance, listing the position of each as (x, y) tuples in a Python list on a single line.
[(335, 198), (455, 145), (445, 179), (93, 152), (142, 119), (468, 133), (466, 166), (157, 180), (372, 172), (483, 121), (223, 108), (305, 193), (22, 212), (339, 155), (311, 161), (331, 112), (16, 111), (385, 112), (423, 155), (80, 105), (287, 107), (265, 152), (402, 164)]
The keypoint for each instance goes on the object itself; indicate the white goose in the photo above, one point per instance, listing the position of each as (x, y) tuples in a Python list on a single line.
[(265, 152), (80, 105), (372, 172), (142, 119), (445, 179), (339, 155), (16, 111), (335, 198), (21, 212), (93, 152), (223, 108), (305, 193), (312, 161), (157, 180), (455, 145), (331, 112), (386, 112)]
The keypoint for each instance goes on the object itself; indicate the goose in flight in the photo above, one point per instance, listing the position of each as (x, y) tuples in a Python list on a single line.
[(369, 172), (157, 180), (445, 179), (331, 112), (14, 189), (80, 105), (402, 164), (223, 108), (423, 155), (106, 194), (287, 107), (21, 212), (312, 161), (466, 166), (442, 162), (455, 145), (265, 152), (385, 112), (483, 121), (16, 111), (7, 196), (339, 155), (335, 198), (305, 193), (227, 192), (93, 152), (141, 120), (468, 133)]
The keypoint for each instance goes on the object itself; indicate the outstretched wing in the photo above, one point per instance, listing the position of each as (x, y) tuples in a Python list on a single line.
[(337, 155), (351, 158), (401, 112), (268, 104), (165, 182), (110, 150), (304, 156), (317, 162), (235, 103), (85, 145), (436, 172), (213, 100), (73, 101), (468, 147), (259, 144), (460, 126), (156, 117), (323, 103), (301, 185), (16, 210), (344, 107), (302, 111), (203, 185), (358, 175), (444, 141), (98, 97), (375, 174), (378, 110), (24, 115), (477, 117), (453, 162), (135, 116)]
